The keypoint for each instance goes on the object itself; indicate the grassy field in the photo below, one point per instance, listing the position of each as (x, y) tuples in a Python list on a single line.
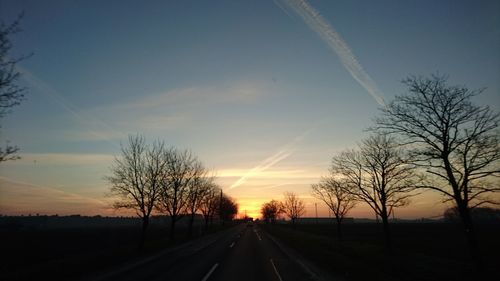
[(69, 253), (422, 251)]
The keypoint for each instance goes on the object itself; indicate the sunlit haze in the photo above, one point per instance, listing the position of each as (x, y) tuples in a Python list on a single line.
[(263, 92)]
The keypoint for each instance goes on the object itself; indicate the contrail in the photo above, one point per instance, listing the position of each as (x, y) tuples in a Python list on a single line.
[(267, 163), (50, 92), (321, 26)]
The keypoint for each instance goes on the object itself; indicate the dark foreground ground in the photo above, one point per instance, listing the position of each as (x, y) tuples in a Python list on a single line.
[(237, 252), (243, 253), (69, 253), (422, 251)]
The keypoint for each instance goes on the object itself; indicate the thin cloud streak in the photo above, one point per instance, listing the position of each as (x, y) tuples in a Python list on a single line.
[(50, 92), (179, 108), (321, 26), (62, 159), (267, 163), (241, 92), (22, 197)]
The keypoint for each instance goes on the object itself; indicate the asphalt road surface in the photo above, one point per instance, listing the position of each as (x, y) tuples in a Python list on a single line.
[(242, 253)]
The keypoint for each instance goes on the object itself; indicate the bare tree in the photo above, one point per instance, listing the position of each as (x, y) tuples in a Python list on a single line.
[(174, 194), (293, 206), (227, 208), (199, 187), (210, 203), (379, 175), (136, 178), (11, 94), (338, 196), (271, 210), (455, 141)]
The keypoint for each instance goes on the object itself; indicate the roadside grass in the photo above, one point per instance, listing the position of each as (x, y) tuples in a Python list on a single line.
[(69, 254), (421, 251)]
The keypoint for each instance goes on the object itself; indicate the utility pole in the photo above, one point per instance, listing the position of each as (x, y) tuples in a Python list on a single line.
[(220, 208), (316, 207)]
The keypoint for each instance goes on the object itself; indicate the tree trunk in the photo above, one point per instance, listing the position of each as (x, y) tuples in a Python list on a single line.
[(387, 232), (190, 226), (464, 212), (339, 229), (206, 221), (470, 234), (172, 227), (145, 224)]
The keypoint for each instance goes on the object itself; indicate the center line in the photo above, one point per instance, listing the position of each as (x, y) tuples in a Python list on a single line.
[(276, 270), (258, 236), (210, 272)]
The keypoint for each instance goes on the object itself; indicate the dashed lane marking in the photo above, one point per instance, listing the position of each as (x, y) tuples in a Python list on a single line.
[(258, 235), (276, 270), (210, 272)]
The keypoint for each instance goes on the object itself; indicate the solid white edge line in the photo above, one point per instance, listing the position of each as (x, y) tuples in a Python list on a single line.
[(276, 270), (210, 272)]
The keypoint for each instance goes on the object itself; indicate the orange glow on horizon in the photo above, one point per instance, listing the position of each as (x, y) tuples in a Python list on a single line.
[(250, 207)]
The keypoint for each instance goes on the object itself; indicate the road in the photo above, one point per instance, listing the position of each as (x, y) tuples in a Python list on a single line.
[(242, 253)]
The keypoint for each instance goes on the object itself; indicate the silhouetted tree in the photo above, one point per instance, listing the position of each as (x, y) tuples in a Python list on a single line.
[(451, 214), (11, 94), (271, 210), (199, 187), (137, 177), (293, 206), (210, 203), (338, 196), (455, 141), (479, 214), (379, 175), (180, 171), (228, 208)]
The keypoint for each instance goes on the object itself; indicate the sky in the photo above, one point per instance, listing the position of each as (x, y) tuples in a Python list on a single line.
[(263, 92)]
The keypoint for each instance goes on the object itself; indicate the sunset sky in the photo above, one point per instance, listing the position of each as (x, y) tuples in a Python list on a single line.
[(263, 92)]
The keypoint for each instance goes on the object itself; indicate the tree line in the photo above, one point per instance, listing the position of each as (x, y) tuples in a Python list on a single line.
[(154, 178), (431, 138), (292, 206)]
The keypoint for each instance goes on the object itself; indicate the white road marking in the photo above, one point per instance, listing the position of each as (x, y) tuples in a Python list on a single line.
[(258, 236), (210, 272), (276, 270), (232, 244)]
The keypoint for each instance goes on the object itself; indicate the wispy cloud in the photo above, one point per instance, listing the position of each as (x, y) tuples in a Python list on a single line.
[(321, 26), (284, 173), (240, 92), (49, 92), (283, 153), (22, 198), (62, 159), (177, 109), (96, 135)]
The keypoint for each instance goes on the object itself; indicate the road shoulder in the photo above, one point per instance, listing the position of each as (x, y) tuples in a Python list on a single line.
[(310, 268)]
